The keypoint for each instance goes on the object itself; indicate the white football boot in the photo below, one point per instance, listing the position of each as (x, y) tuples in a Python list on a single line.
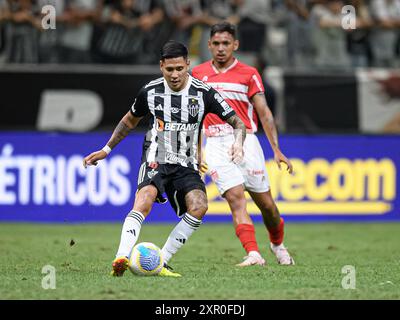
[(282, 255), (254, 258)]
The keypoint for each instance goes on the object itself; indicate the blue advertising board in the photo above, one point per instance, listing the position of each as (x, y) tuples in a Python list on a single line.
[(336, 178)]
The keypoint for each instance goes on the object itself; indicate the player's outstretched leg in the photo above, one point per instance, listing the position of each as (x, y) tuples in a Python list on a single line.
[(131, 228), (119, 266), (244, 227), (274, 224), (129, 235)]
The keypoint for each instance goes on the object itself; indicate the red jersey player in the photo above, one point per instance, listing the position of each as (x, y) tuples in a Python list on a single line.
[(241, 86)]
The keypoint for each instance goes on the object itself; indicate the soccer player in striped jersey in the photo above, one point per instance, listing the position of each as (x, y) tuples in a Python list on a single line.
[(242, 88), (177, 104)]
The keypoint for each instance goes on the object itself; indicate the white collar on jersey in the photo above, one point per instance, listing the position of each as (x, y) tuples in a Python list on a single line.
[(168, 90), (227, 69)]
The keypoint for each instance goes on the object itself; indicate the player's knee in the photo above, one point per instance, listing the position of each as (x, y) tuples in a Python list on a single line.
[(236, 200), (198, 210), (144, 200)]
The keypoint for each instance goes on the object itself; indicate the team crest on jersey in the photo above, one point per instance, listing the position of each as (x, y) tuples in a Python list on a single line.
[(194, 107)]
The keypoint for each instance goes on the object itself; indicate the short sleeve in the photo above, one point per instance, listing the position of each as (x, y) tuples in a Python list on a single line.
[(140, 106), (216, 104), (255, 84)]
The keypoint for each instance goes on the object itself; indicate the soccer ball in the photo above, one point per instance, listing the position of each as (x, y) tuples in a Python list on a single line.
[(146, 259)]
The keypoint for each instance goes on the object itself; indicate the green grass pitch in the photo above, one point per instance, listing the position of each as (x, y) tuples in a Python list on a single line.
[(207, 263)]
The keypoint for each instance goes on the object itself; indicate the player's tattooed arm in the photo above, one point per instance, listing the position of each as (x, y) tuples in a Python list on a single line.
[(127, 123), (268, 123), (236, 151), (238, 126)]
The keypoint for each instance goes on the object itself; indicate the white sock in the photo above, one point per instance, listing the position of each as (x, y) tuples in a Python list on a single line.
[(255, 254), (277, 247), (130, 233), (180, 235)]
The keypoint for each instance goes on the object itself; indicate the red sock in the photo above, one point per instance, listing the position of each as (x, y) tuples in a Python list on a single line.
[(247, 236), (276, 234)]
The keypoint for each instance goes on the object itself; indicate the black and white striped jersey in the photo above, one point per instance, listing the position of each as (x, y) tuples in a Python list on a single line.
[(176, 119)]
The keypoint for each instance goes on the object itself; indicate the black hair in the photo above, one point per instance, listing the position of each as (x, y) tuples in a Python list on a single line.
[(223, 27), (174, 49)]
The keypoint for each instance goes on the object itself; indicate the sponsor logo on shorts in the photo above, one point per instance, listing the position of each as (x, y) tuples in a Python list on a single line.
[(152, 173), (255, 172), (214, 175)]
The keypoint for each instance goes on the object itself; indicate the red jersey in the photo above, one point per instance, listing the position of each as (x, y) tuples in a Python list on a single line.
[(237, 85)]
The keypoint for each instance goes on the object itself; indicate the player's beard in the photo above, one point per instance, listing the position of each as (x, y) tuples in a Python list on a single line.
[(222, 61)]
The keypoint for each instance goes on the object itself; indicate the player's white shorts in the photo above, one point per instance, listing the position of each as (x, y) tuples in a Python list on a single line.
[(251, 172)]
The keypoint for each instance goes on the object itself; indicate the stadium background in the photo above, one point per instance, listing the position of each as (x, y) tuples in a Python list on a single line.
[(334, 93)]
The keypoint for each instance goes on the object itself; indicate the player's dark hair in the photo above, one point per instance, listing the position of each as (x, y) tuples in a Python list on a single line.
[(223, 27), (174, 49)]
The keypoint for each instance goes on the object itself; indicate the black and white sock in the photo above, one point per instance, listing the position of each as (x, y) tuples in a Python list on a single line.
[(130, 233), (180, 235)]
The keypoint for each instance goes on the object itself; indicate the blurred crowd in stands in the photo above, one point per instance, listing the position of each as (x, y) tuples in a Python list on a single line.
[(295, 33)]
